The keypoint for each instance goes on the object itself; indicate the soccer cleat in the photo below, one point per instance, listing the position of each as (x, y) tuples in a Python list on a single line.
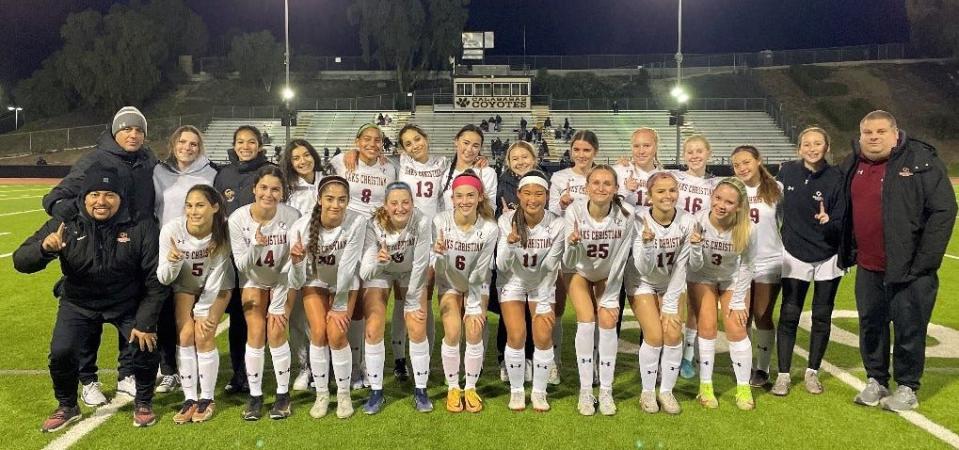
[(400, 371), (668, 402), (321, 405), (358, 381), (237, 385), (759, 379), (706, 396), (872, 394), (127, 386), (517, 401), (904, 399), (587, 403), (503, 374), (421, 401), (374, 404), (92, 395), (254, 408), (186, 412), (454, 400), (143, 415), (168, 383), (528, 375), (607, 406), (782, 385), (553, 377), (302, 381), (61, 417), (647, 401), (204, 410), (812, 383), (687, 370), (472, 400), (744, 397), (538, 399), (344, 404), (282, 407)]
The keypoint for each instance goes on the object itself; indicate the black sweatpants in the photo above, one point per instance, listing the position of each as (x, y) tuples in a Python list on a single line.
[(167, 337), (73, 325), (87, 357), (823, 302), (909, 307), (237, 334)]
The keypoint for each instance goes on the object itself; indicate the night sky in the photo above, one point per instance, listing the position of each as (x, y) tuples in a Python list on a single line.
[(30, 29)]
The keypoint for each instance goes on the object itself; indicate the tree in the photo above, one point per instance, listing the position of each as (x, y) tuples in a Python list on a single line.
[(44, 93), (258, 57), (932, 26), (182, 29), (409, 36)]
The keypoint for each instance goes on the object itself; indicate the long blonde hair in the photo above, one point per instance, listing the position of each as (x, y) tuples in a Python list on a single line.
[(741, 223)]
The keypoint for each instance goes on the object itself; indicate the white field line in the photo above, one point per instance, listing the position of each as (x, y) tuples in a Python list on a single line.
[(18, 197), (103, 413), (951, 256), (5, 255), (21, 212), (41, 189)]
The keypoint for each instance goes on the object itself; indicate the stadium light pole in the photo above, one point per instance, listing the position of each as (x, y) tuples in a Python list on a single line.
[(678, 93), (287, 91), (16, 116)]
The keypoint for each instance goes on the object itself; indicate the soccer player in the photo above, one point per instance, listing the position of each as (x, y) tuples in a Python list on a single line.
[(660, 255), (528, 258), (813, 210), (764, 194), (195, 261), (720, 271), (397, 251), (262, 251), (634, 172), (334, 242), (469, 144), (596, 229), (465, 238)]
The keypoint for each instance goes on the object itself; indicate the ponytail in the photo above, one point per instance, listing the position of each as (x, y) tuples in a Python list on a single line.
[(768, 189)]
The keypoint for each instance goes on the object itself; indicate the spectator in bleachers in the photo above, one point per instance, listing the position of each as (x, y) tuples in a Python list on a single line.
[(41, 161), (326, 155), (522, 123), (499, 120), (548, 123), (484, 125), (380, 120), (337, 152), (267, 140), (543, 151), (615, 107), (496, 126), (388, 120), (566, 124)]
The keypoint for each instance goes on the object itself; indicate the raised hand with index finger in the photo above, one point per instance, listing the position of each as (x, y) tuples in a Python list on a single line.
[(175, 254), (822, 217), (298, 251), (56, 241)]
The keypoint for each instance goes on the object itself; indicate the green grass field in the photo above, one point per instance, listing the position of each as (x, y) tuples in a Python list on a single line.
[(800, 420)]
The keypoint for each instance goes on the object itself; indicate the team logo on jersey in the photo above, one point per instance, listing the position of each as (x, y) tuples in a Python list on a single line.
[(229, 195), (905, 172), (123, 238), (818, 196)]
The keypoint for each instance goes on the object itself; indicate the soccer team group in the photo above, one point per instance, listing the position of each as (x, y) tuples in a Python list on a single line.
[(303, 256)]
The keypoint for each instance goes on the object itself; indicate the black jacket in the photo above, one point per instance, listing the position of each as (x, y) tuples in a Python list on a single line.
[(136, 167), (107, 266), (506, 189), (235, 181), (918, 210), (803, 236)]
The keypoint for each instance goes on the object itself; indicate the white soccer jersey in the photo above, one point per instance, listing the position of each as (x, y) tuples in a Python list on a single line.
[(603, 251), (410, 250), (662, 262), (199, 273), (303, 195), (714, 260), (367, 183), (763, 216), (466, 265), (536, 265), (695, 193), (262, 266), (336, 259), (639, 197), (562, 180), (486, 174), (425, 180)]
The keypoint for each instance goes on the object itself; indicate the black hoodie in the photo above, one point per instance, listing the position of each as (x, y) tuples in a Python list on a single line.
[(235, 181), (803, 236)]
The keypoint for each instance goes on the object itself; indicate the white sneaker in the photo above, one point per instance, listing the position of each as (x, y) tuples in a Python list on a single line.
[(538, 399), (529, 371), (669, 404), (587, 403), (344, 404), (607, 406), (517, 400), (647, 400), (302, 381), (321, 405), (92, 395), (553, 376), (168, 383), (127, 386), (503, 374)]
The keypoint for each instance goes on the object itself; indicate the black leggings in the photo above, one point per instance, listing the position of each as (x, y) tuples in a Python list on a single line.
[(823, 301)]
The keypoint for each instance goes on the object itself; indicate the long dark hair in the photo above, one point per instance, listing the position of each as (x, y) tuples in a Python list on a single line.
[(290, 177), (768, 189), (466, 128), (316, 221), (519, 217), (220, 240)]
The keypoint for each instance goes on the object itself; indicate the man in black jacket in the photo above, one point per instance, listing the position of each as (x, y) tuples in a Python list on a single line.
[(109, 263), (899, 217)]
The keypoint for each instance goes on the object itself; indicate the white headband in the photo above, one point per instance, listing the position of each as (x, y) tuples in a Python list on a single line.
[(533, 179)]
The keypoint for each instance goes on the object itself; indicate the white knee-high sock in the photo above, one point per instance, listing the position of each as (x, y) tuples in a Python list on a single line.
[(420, 360), (513, 358), (557, 341), (186, 366), (375, 358), (320, 366), (669, 367), (398, 332), (649, 365), (356, 335), (473, 363), (254, 370), (765, 343), (208, 366), (689, 343), (608, 344), (585, 335), (342, 367), (707, 356), (541, 361), (282, 359), (451, 364), (741, 353)]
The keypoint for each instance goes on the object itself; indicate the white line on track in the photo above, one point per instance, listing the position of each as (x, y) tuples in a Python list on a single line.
[(950, 256), (103, 413), (21, 212)]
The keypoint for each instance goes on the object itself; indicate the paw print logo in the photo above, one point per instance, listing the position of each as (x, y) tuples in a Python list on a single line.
[(462, 102)]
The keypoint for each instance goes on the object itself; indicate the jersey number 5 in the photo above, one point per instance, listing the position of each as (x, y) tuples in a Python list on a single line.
[(197, 269)]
